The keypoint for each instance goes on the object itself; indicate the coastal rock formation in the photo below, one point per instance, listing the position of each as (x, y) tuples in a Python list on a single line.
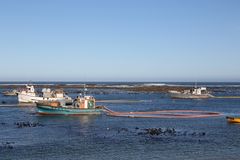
[(27, 124)]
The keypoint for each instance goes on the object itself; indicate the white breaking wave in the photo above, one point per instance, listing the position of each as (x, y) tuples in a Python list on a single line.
[(154, 84)]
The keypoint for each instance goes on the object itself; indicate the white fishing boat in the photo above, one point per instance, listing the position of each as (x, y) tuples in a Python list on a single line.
[(28, 95), (196, 93), (10, 93)]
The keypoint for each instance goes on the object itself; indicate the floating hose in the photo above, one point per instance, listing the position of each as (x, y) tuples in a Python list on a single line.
[(163, 114), (228, 97)]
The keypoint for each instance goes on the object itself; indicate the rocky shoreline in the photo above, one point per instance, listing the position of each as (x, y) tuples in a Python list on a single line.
[(163, 89)]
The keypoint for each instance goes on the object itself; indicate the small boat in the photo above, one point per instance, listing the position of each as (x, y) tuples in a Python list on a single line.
[(196, 93), (233, 119), (10, 93), (28, 95), (81, 106)]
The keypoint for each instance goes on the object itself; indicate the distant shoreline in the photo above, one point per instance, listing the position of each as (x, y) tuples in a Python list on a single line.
[(158, 87), (163, 88)]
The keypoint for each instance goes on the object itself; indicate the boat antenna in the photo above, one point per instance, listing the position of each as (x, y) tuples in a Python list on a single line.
[(84, 90), (195, 84)]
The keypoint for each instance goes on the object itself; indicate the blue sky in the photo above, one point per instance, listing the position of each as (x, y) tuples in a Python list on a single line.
[(120, 40)]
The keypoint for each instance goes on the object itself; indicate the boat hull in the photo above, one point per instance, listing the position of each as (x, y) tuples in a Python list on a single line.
[(49, 110), (190, 96), (32, 99), (28, 98), (9, 94), (233, 120)]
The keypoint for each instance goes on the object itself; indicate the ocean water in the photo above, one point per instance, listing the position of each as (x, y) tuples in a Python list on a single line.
[(104, 137)]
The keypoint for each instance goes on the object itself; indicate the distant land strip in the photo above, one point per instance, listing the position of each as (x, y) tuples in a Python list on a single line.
[(140, 88)]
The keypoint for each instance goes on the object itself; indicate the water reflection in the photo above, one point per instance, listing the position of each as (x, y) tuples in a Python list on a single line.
[(83, 120)]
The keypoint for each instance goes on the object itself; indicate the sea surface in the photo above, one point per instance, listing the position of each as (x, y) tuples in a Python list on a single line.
[(104, 137)]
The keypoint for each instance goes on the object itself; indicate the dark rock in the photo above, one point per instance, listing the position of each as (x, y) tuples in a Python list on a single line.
[(124, 129), (7, 145), (202, 134), (194, 134), (153, 131), (27, 124), (169, 132)]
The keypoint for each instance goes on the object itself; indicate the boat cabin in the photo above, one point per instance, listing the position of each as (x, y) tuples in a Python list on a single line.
[(86, 102), (199, 91), (29, 91)]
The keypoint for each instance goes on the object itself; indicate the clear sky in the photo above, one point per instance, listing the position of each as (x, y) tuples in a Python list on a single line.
[(120, 40)]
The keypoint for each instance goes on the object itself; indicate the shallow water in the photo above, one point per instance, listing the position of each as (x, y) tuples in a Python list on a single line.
[(104, 137)]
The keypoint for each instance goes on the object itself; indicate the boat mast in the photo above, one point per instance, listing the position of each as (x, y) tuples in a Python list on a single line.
[(195, 84), (84, 90)]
